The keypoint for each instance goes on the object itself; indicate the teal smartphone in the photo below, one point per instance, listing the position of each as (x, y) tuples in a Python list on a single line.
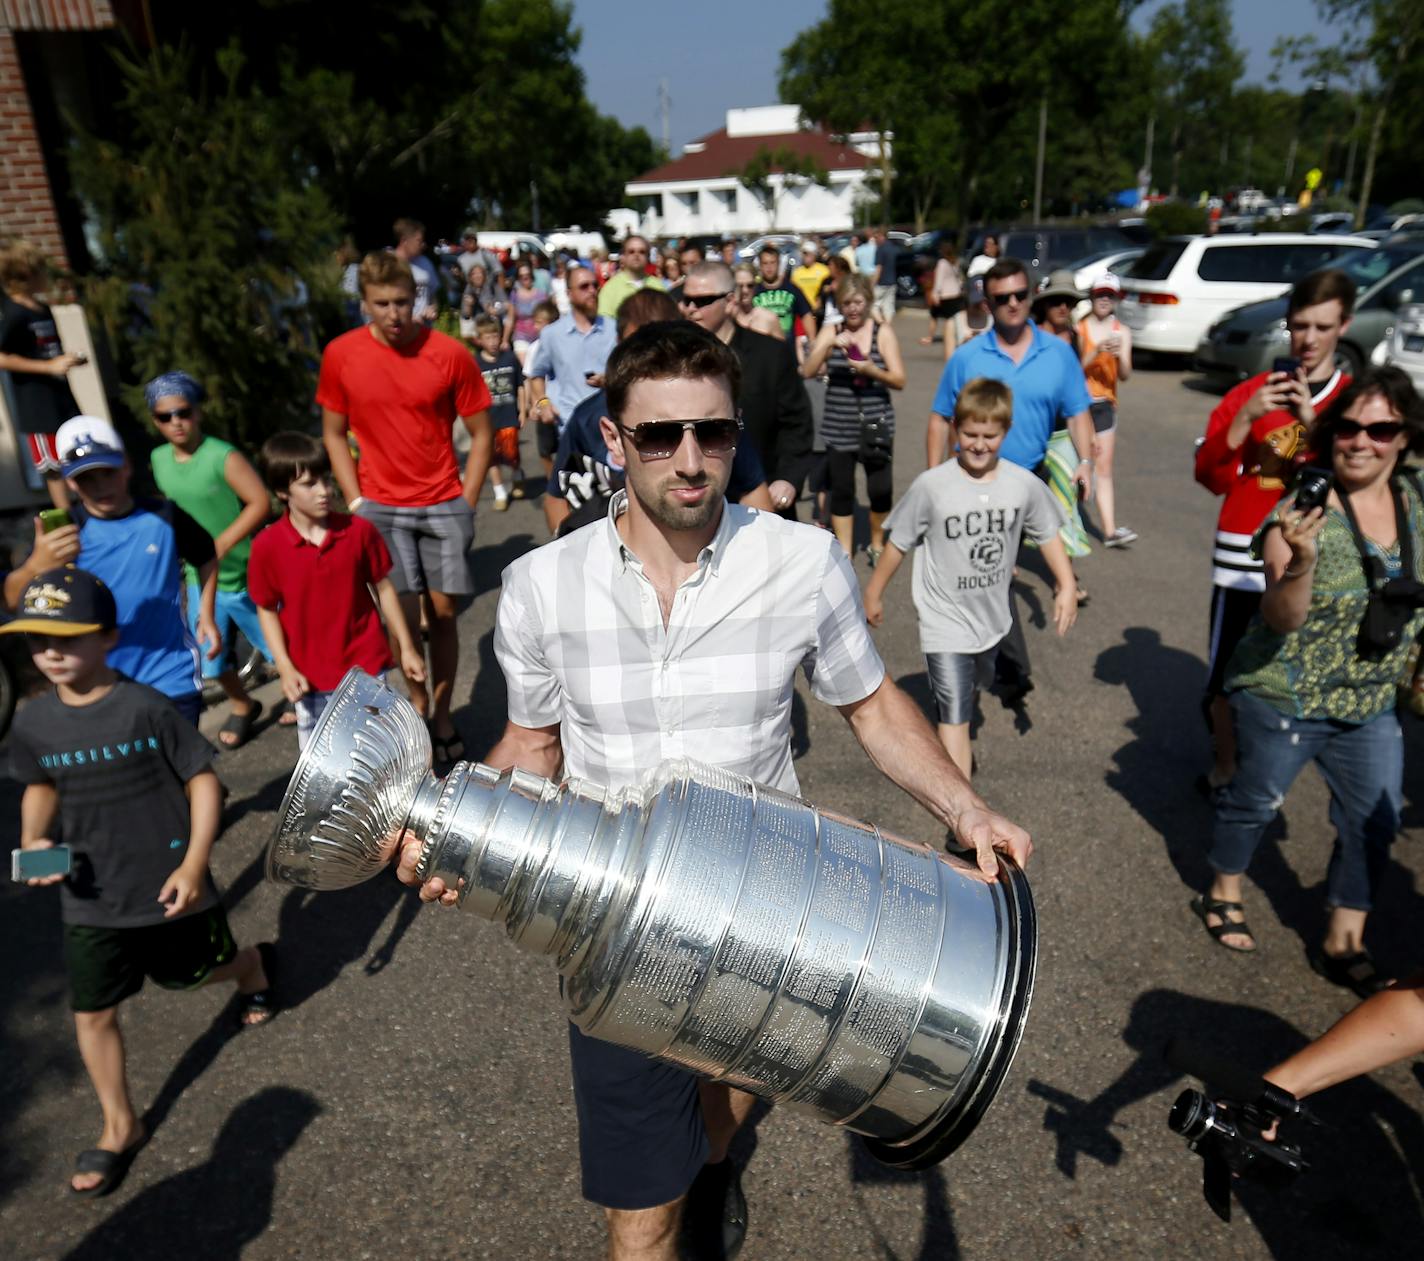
[(35, 864)]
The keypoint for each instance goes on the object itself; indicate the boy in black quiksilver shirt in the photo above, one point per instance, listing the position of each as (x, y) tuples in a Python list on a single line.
[(133, 784)]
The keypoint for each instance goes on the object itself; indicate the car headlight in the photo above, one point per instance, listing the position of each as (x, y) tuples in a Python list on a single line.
[(1379, 356), (1273, 335)]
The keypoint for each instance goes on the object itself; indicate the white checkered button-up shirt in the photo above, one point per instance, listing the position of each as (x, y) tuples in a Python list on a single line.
[(580, 638)]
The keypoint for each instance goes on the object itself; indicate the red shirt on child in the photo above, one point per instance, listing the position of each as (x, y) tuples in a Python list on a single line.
[(321, 596), (401, 403)]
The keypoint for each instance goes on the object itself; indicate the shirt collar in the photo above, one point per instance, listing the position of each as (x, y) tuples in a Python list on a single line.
[(709, 557)]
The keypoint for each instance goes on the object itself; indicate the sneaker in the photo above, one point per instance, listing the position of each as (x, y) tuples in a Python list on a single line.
[(518, 491), (501, 503), (1120, 537), (714, 1221)]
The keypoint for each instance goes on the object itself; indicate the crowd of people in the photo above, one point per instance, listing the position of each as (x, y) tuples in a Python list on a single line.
[(683, 410)]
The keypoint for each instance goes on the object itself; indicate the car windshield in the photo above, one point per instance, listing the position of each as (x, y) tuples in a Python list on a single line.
[(1367, 266), (1096, 256), (1157, 262)]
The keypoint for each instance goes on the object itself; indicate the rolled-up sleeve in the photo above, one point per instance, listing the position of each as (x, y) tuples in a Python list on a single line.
[(534, 692), (845, 666)]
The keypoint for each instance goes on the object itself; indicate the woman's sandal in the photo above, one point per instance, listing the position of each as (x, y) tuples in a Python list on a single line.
[(448, 749), (1355, 972), (1204, 904)]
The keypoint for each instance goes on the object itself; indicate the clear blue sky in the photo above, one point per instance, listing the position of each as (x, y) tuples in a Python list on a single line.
[(726, 55)]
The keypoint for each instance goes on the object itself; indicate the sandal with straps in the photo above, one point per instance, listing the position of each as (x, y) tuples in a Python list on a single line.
[(1352, 972), (1204, 904)]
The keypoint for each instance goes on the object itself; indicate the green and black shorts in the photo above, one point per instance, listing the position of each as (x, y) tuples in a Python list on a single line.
[(107, 965)]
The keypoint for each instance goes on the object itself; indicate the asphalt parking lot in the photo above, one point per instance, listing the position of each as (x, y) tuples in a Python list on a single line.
[(413, 1098)]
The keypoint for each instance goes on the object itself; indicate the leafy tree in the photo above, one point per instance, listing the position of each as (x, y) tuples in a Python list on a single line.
[(215, 241), (769, 172)]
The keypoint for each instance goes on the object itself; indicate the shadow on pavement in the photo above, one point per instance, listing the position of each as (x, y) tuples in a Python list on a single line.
[(481, 721), (1357, 1199), (489, 562), (939, 1242), (1155, 771), (215, 1210)]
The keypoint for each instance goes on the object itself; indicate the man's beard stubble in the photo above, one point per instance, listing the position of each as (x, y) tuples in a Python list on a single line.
[(674, 516)]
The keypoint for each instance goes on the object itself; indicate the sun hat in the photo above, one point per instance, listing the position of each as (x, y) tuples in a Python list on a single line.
[(1060, 284)]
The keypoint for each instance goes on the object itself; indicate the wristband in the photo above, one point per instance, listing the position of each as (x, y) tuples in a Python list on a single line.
[(1085, 460), (356, 503), (543, 402)]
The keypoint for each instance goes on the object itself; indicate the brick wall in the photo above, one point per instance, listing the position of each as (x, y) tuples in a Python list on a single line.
[(27, 205)]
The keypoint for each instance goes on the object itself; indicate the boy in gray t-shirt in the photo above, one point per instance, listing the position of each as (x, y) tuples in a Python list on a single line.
[(970, 514)]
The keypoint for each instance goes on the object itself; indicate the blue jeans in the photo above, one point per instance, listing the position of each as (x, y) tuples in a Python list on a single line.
[(1363, 766)]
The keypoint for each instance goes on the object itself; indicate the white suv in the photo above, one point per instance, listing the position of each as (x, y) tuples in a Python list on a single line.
[(1183, 284)]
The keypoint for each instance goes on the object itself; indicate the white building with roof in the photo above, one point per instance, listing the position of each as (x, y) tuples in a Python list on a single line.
[(698, 193)]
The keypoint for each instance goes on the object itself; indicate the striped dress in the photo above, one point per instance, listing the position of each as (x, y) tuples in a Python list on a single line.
[(847, 404)]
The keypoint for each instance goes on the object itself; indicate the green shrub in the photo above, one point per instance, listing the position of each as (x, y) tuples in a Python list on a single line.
[(1175, 218)]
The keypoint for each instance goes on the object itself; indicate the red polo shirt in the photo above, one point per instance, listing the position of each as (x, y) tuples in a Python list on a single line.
[(321, 597), (401, 403)]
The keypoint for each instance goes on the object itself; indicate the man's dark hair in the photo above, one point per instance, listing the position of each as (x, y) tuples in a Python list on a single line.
[(1003, 269), (287, 455), (1330, 285), (768, 248), (1389, 383), (672, 348), (647, 306)]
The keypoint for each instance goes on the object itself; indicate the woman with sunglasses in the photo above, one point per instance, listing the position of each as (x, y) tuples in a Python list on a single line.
[(1314, 677), (862, 364)]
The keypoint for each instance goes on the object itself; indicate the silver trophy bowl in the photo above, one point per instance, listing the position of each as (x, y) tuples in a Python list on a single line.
[(702, 919)]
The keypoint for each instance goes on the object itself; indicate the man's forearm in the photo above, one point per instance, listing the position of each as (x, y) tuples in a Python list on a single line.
[(936, 440), (899, 741), (477, 462), (338, 452), (541, 757), (1382, 1030), (1080, 430)]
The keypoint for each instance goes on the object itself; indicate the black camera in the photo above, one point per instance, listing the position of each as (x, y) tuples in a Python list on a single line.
[(1311, 489), (1226, 1131)]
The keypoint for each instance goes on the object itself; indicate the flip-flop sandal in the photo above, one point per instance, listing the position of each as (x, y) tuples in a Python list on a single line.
[(286, 714), (263, 1002), (240, 725), (1202, 906), (112, 1168)]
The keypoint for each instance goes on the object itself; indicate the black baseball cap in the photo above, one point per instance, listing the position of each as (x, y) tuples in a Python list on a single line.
[(65, 601)]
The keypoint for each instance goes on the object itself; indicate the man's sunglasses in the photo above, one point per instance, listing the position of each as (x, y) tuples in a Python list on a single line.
[(658, 439), (1014, 295), (700, 300), (1381, 431), (178, 413)]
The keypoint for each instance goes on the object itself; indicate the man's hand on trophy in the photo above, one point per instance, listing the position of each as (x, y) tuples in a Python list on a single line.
[(433, 890), (983, 831)]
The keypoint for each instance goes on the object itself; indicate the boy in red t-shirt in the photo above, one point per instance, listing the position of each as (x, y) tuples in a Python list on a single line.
[(310, 575), (399, 387), (1256, 440)]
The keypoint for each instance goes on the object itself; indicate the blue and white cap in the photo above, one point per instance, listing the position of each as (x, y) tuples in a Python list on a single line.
[(86, 442)]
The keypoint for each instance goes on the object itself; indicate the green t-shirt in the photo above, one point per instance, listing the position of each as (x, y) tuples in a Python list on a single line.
[(1316, 670), (197, 485)]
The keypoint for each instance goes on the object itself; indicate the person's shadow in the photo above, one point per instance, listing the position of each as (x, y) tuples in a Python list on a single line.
[(1357, 1199), (216, 1209), (939, 1241)]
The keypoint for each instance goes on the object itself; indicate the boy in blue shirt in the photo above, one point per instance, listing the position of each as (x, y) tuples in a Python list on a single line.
[(136, 547)]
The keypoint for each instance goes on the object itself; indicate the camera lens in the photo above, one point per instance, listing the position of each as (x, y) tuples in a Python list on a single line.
[(1191, 1115)]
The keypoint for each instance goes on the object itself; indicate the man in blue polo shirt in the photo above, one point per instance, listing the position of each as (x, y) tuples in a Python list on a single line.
[(564, 368), (1047, 380)]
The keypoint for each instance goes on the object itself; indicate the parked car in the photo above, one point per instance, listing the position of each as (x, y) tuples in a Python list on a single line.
[(1405, 348), (1248, 339), (1183, 284), (1045, 247), (1087, 269), (786, 242)]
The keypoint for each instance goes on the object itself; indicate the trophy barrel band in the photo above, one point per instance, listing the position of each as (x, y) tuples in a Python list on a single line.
[(449, 789), (957, 1125)]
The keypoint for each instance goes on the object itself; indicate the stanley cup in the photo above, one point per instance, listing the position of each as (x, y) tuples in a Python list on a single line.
[(701, 919)]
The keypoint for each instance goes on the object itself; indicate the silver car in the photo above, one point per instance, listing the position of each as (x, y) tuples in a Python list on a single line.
[(1249, 339), (1405, 348)]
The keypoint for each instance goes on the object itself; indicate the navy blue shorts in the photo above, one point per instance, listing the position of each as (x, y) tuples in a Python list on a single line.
[(641, 1138)]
